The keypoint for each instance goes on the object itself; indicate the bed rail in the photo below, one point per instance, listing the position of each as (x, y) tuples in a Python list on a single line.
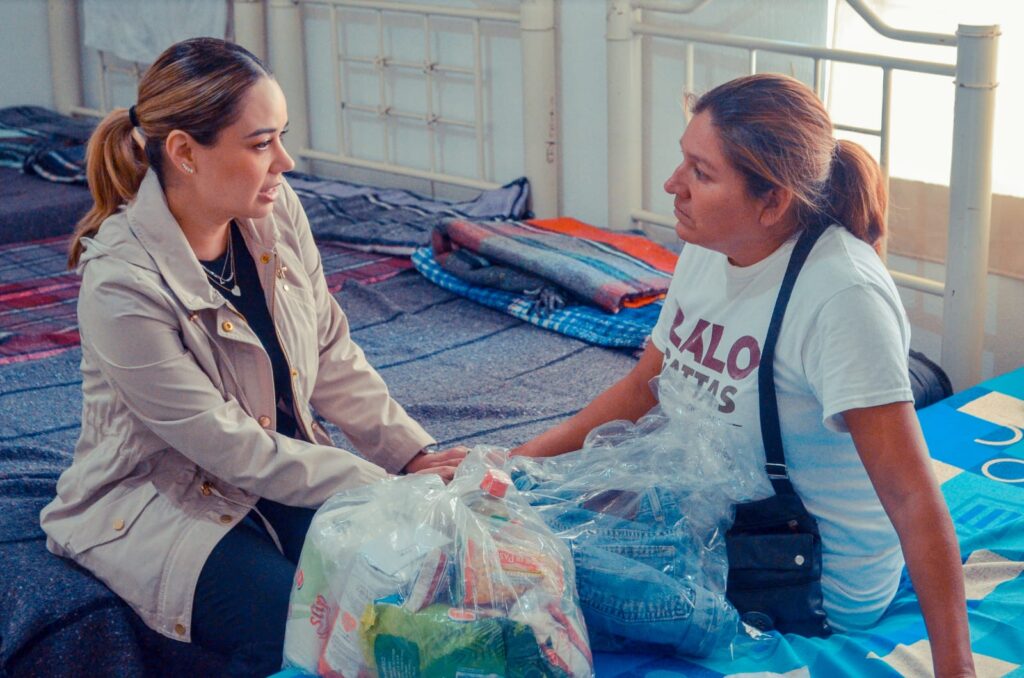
[(973, 74), (535, 19)]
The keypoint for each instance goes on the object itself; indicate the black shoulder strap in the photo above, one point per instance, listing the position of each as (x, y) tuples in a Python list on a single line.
[(771, 432)]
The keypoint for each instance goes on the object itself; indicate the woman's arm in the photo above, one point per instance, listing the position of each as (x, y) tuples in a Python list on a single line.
[(890, 443), (629, 398), (348, 390)]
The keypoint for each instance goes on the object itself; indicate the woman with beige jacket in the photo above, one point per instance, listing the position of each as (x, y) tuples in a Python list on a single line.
[(208, 334)]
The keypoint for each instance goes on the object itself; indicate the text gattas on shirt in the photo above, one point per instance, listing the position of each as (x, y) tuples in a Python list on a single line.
[(742, 358)]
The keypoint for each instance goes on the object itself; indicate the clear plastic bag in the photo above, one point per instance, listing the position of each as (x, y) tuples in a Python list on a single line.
[(411, 577), (645, 508)]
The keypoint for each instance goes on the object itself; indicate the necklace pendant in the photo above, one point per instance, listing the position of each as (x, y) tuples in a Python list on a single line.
[(236, 290)]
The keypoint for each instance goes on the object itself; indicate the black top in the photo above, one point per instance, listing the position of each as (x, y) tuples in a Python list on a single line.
[(252, 305)]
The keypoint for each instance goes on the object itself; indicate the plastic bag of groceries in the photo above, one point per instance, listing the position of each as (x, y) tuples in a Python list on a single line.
[(645, 508), (410, 577)]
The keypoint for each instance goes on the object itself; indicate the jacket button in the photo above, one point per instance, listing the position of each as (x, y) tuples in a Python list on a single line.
[(799, 560), (227, 326), (264, 421), (206, 489), (264, 258), (179, 629), (295, 372), (119, 524), (226, 519)]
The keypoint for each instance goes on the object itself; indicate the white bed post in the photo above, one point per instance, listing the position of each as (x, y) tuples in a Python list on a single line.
[(625, 173), (970, 205), (540, 113), (65, 55), (250, 26), (285, 50)]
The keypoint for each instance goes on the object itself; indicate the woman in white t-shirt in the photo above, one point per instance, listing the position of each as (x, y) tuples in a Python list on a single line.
[(761, 166)]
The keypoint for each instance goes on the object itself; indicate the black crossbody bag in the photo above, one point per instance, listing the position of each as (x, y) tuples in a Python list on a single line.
[(774, 546)]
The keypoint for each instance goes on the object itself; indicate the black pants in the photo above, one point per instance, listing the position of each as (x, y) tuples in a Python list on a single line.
[(241, 602)]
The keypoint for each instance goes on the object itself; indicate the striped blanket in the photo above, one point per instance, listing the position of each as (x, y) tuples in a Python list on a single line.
[(517, 256), (38, 297), (628, 328)]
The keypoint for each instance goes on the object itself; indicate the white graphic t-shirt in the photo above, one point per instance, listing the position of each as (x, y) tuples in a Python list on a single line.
[(843, 344)]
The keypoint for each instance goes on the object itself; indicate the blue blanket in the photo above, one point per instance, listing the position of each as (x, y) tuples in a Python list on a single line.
[(485, 378)]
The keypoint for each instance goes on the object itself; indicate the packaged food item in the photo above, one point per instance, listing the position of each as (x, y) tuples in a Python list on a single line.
[(433, 582), (383, 568), (493, 536), (414, 578), (310, 612)]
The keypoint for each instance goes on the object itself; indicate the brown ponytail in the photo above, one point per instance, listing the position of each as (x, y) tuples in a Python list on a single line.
[(777, 133), (856, 194), (195, 86), (115, 165)]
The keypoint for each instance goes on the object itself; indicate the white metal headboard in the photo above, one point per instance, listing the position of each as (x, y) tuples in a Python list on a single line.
[(273, 29), (970, 192)]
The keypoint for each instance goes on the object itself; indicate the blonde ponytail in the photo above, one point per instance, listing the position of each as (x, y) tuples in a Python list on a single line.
[(114, 167)]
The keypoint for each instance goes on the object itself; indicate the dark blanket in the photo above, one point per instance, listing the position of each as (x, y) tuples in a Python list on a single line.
[(55, 618), (393, 221), (32, 207), (43, 142), (520, 257)]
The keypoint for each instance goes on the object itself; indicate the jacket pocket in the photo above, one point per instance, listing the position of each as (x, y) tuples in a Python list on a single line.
[(111, 520)]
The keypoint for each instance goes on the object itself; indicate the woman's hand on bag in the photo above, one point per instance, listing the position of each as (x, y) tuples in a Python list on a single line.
[(443, 463)]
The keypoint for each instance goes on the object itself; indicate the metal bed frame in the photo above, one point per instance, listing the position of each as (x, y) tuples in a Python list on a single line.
[(970, 184)]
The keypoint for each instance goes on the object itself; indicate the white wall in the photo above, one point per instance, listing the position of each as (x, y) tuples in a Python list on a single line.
[(24, 54), (409, 143)]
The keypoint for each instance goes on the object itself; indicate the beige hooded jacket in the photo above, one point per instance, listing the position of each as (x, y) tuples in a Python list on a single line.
[(178, 436)]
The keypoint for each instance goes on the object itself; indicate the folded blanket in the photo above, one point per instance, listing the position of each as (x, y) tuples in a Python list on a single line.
[(590, 270), (391, 221), (43, 142), (628, 328), (641, 247)]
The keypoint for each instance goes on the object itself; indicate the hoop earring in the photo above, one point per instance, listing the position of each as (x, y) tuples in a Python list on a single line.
[(188, 170)]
